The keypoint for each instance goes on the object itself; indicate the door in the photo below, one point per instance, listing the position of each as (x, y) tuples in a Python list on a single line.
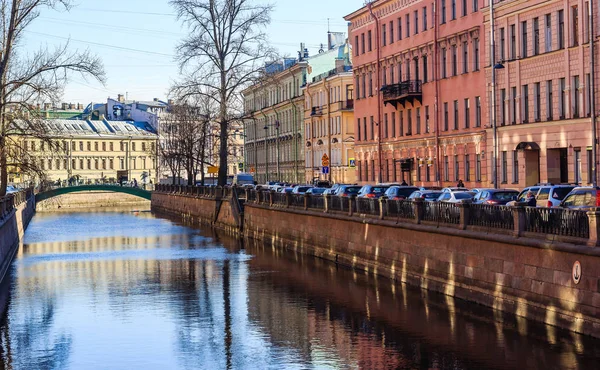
[(532, 167), (564, 166)]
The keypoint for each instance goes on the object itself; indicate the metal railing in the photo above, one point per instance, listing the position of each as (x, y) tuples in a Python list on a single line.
[(297, 200), (338, 204), (316, 202), (402, 89), (368, 206), (279, 199), (442, 213), (400, 209), (485, 215), (11, 201), (557, 221)]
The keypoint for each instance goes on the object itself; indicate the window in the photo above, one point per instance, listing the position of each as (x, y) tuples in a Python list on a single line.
[(427, 119), (576, 99), (453, 10), (81, 164), (392, 77), (502, 107), (357, 131), (548, 33), (384, 34), (103, 147), (372, 128), (393, 124), (366, 137), (590, 161), (513, 104), (454, 61), (537, 102), (356, 45), (357, 83), (391, 32), (81, 146), (407, 18), (401, 115), (96, 164), (104, 164), (456, 114), (577, 166), (372, 170), (524, 39), (419, 172), (409, 122), (456, 168), (370, 83), (384, 75), (416, 60), (525, 101), (513, 42), (549, 103), (89, 146), (504, 167), (112, 147), (464, 7), (446, 169), (121, 164), (476, 54), (446, 116), (112, 164), (418, 120), (425, 76), (408, 70), (561, 101), (399, 21), (416, 21), (467, 114), (443, 56), (561, 29), (465, 59), (502, 45), (369, 41), (574, 25), (359, 170), (96, 146), (362, 42), (385, 125), (536, 36), (586, 22), (515, 167), (443, 11), (475, 6), (478, 168), (133, 147), (588, 94), (424, 18)]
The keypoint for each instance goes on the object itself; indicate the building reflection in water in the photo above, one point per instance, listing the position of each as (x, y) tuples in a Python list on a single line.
[(123, 290)]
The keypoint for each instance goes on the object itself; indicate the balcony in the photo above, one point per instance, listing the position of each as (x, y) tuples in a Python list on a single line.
[(316, 111), (346, 104), (405, 91)]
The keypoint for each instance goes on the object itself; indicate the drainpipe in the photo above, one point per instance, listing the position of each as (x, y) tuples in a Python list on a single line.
[(295, 134), (437, 93), (377, 69), (593, 97), (326, 86)]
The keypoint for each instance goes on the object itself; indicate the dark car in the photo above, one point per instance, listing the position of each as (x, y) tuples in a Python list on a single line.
[(427, 195), (400, 192), (372, 191), (495, 196), (348, 190), (582, 198)]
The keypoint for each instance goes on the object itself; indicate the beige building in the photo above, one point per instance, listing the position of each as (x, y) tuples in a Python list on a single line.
[(329, 126), (94, 151)]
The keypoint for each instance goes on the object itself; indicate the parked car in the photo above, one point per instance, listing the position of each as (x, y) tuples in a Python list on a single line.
[(372, 191), (430, 188), (348, 190), (243, 179), (551, 195), (495, 196), (428, 195), (287, 190), (456, 196), (316, 191), (400, 192), (301, 189), (333, 189), (522, 197), (451, 189), (584, 198)]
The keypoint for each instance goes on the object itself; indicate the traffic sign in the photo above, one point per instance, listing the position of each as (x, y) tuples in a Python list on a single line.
[(325, 170), (325, 160), (252, 169), (352, 162), (213, 170)]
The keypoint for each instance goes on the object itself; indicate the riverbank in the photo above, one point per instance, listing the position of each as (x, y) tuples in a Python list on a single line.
[(15, 214), (92, 199)]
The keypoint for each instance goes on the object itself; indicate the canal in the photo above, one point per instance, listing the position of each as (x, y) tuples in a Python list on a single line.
[(125, 290)]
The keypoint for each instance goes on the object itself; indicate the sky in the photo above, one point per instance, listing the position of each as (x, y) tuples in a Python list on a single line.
[(136, 40)]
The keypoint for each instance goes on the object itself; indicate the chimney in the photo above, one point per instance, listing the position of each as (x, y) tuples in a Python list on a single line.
[(121, 98), (71, 106), (339, 65), (79, 106), (64, 106)]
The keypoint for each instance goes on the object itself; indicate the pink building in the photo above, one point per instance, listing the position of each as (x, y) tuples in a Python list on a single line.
[(420, 92), (543, 92)]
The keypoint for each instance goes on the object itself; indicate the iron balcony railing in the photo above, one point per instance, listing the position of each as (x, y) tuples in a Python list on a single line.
[(316, 111), (402, 90)]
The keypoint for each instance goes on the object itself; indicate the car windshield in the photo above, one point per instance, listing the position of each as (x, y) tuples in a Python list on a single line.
[(505, 195), (405, 192), (317, 190), (432, 195), (463, 195), (303, 188), (561, 193), (351, 190), (379, 189)]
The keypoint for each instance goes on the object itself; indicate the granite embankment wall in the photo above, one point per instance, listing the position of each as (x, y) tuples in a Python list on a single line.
[(91, 199), (14, 219), (526, 277)]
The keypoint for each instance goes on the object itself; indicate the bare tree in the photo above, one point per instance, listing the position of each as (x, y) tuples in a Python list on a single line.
[(29, 79), (226, 46)]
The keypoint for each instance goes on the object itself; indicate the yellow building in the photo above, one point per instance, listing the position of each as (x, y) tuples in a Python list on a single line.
[(329, 126), (93, 151)]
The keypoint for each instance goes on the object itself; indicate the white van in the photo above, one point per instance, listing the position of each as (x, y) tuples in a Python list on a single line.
[(241, 179)]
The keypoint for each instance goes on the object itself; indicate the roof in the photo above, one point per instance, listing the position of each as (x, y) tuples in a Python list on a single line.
[(103, 129)]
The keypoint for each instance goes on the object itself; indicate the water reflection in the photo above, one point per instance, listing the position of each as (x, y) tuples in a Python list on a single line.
[(128, 290)]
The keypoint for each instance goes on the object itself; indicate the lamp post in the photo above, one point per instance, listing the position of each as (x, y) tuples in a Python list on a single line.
[(494, 121), (593, 96), (266, 154)]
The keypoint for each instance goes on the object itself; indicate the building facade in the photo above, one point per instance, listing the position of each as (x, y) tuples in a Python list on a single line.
[(90, 152), (273, 123), (329, 118), (419, 92), (543, 92)]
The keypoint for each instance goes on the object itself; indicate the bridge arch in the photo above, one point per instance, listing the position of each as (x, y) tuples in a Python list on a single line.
[(145, 194)]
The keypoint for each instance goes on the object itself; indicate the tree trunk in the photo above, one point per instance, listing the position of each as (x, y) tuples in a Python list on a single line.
[(3, 170), (222, 181)]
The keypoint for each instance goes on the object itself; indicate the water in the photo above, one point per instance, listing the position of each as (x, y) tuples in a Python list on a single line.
[(134, 291)]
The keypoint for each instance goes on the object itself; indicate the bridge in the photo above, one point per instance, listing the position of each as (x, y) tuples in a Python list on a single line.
[(145, 194)]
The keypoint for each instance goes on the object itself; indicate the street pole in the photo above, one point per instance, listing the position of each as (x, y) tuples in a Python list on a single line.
[(378, 93), (494, 123), (266, 154), (593, 97), (277, 150)]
